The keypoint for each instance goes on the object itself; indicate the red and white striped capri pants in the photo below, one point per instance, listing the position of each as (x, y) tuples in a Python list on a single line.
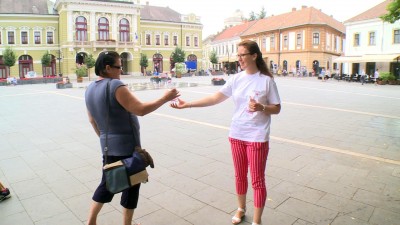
[(254, 155)]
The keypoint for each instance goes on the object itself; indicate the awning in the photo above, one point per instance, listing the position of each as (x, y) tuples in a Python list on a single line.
[(349, 59), (368, 58), (380, 58)]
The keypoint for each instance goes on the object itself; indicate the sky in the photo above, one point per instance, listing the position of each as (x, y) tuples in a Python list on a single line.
[(213, 12)]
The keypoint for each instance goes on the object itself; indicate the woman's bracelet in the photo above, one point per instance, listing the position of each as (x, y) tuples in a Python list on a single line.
[(190, 105), (263, 109)]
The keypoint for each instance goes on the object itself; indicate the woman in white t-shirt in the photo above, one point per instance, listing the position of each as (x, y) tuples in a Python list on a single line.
[(256, 98)]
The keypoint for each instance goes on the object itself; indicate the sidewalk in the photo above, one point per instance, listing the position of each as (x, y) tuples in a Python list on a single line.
[(334, 157)]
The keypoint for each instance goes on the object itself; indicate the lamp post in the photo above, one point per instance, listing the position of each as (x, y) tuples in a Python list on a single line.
[(59, 63)]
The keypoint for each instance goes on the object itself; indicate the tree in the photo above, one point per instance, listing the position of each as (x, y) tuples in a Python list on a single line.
[(393, 13), (9, 57), (46, 59), (90, 63), (252, 16), (213, 57), (144, 63), (178, 55), (262, 13)]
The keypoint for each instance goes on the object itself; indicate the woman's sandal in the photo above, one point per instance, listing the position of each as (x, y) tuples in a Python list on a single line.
[(237, 220), (255, 223)]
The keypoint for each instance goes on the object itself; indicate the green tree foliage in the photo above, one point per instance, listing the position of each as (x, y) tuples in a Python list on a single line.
[(46, 59), (178, 55), (252, 16), (81, 71), (144, 62), (90, 62), (9, 57), (213, 57), (393, 13), (262, 13)]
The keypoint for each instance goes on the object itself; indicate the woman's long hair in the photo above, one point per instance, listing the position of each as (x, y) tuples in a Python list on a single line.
[(253, 48), (104, 59)]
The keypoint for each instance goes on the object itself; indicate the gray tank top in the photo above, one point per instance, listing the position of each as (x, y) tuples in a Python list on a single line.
[(123, 128)]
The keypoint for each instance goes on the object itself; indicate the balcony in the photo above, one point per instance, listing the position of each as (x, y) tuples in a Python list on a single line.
[(128, 44), (104, 44), (81, 44)]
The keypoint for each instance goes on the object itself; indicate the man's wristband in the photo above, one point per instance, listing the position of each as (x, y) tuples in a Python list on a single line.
[(263, 109)]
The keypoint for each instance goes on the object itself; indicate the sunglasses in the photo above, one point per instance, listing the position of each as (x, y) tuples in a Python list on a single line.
[(116, 67)]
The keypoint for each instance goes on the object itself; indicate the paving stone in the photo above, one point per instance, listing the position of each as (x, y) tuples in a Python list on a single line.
[(332, 187), (348, 220), (307, 211), (385, 217), (346, 207), (378, 200), (178, 203), (299, 192), (30, 188), (66, 218), (43, 207), (20, 218)]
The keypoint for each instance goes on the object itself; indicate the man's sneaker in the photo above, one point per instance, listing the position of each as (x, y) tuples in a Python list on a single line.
[(5, 193)]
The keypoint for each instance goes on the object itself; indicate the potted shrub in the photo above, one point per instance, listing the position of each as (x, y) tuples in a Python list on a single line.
[(180, 68), (80, 73)]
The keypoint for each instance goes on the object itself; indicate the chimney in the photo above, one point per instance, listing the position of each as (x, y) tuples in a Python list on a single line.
[(147, 2), (293, 9), (303, 6)]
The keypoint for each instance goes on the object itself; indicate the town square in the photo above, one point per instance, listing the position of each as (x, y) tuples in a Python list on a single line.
[(334, 143)]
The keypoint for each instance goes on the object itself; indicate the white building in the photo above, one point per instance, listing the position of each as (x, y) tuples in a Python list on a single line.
[(371, 43)]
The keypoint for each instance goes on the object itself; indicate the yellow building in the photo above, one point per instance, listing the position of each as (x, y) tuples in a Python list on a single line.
[(70, 30), (30, 33)]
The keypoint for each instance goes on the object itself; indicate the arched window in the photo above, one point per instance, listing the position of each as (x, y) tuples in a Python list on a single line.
[(124, 30), (81, 28), (103, 29)]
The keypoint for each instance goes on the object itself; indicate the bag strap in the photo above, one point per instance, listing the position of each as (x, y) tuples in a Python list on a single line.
[(107, 119)]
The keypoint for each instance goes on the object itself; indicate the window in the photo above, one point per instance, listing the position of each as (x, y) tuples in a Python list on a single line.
[(124, 30), (315, 39), (166, 41), (81, 29), (299, 40), (396, 37), (103, 29), (157, 39), (285, 41), (335, 43), (356, 39), (37, 37), (50, 39), (11, 37), (272, 40), (187, 41), (24, 37), (372, 38), (148, 37), (175, 40), (196, 42)]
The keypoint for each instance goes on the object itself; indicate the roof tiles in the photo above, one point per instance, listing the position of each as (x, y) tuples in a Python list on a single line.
[(304, 16)]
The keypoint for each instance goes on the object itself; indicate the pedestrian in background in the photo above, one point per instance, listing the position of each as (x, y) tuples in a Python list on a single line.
[(376, 76), (256, 98), (122, 125), (362, 77)]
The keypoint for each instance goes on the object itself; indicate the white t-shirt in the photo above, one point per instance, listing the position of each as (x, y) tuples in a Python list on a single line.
[(250, 126)]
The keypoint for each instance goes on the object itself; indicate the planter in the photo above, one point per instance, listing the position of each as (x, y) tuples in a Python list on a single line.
[(79, 79), (218, 82), (392, 82), (63, 85), (178, 75)]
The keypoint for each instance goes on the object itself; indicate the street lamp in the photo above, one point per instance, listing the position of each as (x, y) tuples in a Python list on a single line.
[(59, 63)]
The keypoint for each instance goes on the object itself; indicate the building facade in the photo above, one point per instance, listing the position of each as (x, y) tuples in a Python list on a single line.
[(371, 43), (305, 40), (70, 30), (30, 34)]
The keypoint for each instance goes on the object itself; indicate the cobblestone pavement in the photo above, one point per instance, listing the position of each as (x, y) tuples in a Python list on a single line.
[(334, 158)]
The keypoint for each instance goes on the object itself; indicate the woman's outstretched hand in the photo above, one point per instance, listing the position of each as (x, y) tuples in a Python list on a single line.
[(179, 104), (171, 94)]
